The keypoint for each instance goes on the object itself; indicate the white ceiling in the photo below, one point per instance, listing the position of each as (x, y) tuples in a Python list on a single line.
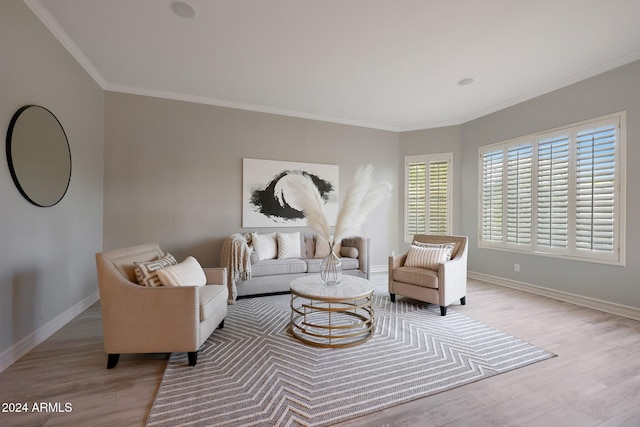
[(378, 63)]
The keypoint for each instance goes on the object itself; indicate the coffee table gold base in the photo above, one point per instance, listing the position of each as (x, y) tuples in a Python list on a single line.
[(327, 317)]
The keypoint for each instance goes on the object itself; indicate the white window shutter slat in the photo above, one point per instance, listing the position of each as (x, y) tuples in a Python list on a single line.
[(559, 193), (428, 195)]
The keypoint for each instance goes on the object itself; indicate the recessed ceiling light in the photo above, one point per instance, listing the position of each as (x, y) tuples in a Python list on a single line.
[(465, 82), (182, 9)]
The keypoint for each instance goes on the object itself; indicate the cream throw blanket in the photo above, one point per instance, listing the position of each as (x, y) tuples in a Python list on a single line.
[(236, 256)]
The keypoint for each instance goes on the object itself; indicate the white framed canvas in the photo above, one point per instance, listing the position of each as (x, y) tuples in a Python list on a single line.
[(264, 190)]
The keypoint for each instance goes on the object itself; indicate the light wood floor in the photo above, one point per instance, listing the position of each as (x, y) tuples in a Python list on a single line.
[(594, 381)]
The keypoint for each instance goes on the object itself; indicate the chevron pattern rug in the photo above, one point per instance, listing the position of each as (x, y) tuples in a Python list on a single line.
[(254, 373)]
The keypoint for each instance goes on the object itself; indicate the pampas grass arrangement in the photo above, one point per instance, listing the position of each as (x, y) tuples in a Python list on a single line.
[(361, 198)]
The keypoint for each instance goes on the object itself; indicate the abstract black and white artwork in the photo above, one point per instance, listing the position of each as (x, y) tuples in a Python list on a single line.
[(264, 193)]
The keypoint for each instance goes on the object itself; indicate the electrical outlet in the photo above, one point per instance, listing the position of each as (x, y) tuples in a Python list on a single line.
[(516, 268)]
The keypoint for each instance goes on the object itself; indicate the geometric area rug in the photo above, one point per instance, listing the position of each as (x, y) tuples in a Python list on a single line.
[(254, 373)]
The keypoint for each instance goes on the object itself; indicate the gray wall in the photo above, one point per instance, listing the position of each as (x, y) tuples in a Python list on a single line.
[(47, 254), (173, 171), (431, 141), (610, 92)]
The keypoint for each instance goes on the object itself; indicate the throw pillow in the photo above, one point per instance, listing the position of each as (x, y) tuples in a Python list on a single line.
[(187, 273), (349, 252), (265, 245), (433, 245), (428, 257), (146, 272), (322, 247), (288, 245)]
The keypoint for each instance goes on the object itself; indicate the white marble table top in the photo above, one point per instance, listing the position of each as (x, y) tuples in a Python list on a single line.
[(350, 288)]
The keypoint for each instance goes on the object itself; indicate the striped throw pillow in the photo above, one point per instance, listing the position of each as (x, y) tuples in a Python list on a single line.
[(430, 257)]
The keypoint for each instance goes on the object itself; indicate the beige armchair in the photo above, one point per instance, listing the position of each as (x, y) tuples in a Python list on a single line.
[(139, 319), (442, 287)]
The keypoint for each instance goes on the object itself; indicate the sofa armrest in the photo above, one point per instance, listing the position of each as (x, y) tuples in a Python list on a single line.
[(396, 261), (216, 276), (454, 274), (362, 244), (138, 319)]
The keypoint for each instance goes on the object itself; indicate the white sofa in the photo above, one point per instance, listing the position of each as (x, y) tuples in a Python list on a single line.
[(268, 276)]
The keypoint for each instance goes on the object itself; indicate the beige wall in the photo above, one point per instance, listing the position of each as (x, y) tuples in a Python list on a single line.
[(173, 170), (47, 261)]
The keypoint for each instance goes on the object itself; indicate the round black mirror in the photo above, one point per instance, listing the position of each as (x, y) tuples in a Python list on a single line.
[(38, 155)]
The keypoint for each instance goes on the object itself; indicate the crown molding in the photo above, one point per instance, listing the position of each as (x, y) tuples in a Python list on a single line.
[(135, 90), (63, 37), (576, 78)]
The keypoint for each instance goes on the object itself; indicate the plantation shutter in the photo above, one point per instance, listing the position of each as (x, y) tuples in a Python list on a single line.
[(438, 197), (492, 169), (416, 198), (557, 193), (519, 185), (428, 194), (553, 192), (596, 188)]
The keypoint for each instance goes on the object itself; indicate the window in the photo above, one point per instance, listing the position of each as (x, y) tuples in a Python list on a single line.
[(558, 193), (427, 195)]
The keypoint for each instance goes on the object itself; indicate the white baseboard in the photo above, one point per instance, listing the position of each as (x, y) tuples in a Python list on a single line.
[(596, 304), (25, 345), (378, 269)]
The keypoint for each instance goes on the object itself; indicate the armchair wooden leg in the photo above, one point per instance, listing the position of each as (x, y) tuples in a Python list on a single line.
[(463, 300), (193, 358), (393, 297), (221, 325), (112, 360), (443, 311)]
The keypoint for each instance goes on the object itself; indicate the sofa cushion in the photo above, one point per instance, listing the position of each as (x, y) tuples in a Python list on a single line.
[(288, 245), (416, 276), (428, 256), (265, 245), (270, 267), (146, 272), (212, 297), (350, 263), (313, 265), (188, 273)]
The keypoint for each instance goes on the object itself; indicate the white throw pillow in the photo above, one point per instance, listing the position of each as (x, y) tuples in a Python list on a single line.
[(187, 273), (288, 245), (265, 245), (427, 256), (146, 272)]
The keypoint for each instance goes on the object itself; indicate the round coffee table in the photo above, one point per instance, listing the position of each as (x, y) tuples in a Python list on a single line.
[(332, 316)]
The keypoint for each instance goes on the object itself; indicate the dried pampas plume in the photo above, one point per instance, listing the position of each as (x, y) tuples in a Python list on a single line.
[(307, 198), (363, 195)]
